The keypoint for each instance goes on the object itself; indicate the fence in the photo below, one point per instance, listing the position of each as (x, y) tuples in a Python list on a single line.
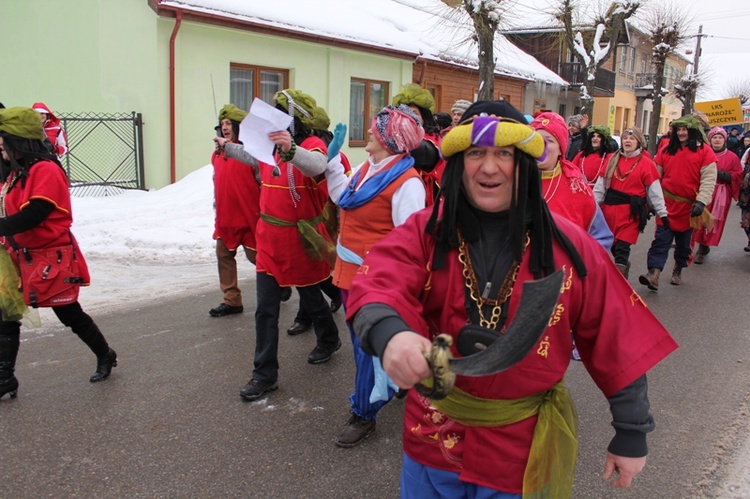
[(105, 152)]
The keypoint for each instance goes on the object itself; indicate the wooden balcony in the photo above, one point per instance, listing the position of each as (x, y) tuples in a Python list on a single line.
[(604, 83)]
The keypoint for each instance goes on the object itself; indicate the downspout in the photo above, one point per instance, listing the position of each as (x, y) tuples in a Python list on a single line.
[(423, 72), (172, 147)]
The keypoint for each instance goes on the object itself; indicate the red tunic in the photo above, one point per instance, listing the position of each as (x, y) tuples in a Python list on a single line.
[(237, 199), (722, 198), (46, 181), (280, 249), (615, 351), (571, 197), (591, 165), (635, 183), (681, 176)]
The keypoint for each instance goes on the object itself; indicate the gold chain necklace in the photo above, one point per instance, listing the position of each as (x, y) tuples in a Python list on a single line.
[(622, 178), (470, 279)]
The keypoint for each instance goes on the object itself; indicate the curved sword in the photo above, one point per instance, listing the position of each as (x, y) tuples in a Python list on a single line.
[(538, 301)]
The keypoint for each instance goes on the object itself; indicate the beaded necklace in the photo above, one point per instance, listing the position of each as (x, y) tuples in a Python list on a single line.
[(596, 177), (556, 172), (481, 300), (622, 178)]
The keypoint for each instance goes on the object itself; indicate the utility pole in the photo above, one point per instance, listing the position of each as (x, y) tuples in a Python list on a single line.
[(690, 99)]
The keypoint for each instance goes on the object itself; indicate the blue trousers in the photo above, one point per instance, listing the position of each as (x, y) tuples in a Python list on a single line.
[(659, 251), (364, 378), (424, 482)]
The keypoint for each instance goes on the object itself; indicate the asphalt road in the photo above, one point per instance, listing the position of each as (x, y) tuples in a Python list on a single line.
[(170, 423)]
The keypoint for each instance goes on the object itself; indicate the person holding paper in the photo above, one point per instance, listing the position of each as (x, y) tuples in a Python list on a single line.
[(382, 193), (236, 201), (294, 247)]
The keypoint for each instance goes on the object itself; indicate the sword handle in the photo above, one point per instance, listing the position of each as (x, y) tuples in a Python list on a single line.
[(443, 378)]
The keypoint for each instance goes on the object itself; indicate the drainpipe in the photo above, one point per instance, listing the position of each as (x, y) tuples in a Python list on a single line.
[(172, 148), (423, 72)]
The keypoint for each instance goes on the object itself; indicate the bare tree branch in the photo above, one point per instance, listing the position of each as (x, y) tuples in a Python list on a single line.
[(667, 28), (604, 25)]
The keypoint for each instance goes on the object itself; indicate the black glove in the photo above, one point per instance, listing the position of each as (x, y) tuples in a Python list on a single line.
[(665, 222), (697, 209), (724, 177)]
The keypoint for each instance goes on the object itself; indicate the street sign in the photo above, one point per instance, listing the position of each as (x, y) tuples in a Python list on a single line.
[(722, 112)]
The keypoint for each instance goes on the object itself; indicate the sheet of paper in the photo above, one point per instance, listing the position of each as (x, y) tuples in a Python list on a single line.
[(259, 122)]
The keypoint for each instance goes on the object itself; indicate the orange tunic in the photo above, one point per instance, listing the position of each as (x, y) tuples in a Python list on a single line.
[(362, 227)]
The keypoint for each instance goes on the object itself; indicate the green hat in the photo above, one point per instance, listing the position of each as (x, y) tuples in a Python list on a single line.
[(602, 130), (303, 106), (21, 122), (414, 94), (689, 121), (232, 112), (321, 121)]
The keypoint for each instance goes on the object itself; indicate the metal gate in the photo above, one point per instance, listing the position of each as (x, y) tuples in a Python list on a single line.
[(105, 152)]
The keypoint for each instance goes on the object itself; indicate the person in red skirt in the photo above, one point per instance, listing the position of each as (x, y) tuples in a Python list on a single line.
[(628, 184), (728, 178)]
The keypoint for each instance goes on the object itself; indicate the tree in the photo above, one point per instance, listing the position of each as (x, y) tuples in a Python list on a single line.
[(608, 25), (687, 88), (486, 15), (666, 27), (740, 87)]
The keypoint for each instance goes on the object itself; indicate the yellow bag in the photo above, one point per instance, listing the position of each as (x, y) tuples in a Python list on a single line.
[(12, 306)]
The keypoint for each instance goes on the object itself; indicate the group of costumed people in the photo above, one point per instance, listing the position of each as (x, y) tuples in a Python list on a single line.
[(435, 235), (431, 242), (410, 264)]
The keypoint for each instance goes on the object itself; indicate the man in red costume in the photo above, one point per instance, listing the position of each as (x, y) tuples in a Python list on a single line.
[(294, 245), (688, 177), (464, 262), (236, 200)]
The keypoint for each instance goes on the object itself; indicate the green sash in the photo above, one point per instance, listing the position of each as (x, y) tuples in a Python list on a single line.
[(554, 448)]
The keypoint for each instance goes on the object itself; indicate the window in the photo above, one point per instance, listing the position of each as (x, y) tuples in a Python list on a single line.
[(562, 110), (366, 99), (248, 82), (623, 57), (631, 67)]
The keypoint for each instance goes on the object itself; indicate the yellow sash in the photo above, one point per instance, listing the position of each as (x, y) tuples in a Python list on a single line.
[(554, 448)]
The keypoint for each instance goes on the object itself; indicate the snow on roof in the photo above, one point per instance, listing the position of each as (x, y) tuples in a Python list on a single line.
[(426, 28)]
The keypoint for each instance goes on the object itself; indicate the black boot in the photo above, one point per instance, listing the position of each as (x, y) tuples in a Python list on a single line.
[(104, 366), (85, 328), (106, 358), (9, 333)]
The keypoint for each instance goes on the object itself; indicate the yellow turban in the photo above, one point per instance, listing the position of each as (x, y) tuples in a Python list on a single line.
[(492, 131)]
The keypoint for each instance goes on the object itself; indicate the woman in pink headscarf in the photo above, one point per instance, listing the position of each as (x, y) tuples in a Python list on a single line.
[(728, 177)]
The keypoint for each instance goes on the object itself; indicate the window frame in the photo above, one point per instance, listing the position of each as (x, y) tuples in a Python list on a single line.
[(367, 112), (256, 83)]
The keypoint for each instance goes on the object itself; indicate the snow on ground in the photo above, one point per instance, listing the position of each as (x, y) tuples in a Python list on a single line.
[(147, 246)]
